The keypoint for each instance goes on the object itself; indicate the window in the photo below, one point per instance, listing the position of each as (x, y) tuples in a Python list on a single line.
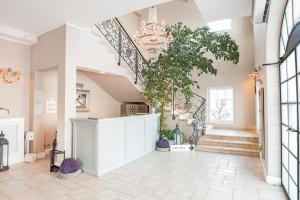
[(221, 25), (220, 108)]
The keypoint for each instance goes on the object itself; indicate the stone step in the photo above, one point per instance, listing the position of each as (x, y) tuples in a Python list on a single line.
[(253, 138), (229, 143), (228, 150)]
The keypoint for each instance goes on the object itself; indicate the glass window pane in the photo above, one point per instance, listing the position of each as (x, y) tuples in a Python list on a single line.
[(298, 58), (292, 190), (285, 157), (221, 94), (229, 94), (221, 104), (292, 91), (289, 16), (285, 179), (293, 142), (285, 136), (283, 75), (213, 94), (284, 92), (282, 49), (291, 65), (293, 116), (284, 114), (284, 32), (293, 167), (296, 10)]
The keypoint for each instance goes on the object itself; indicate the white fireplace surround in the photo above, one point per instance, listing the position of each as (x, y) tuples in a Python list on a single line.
[(13, 129)]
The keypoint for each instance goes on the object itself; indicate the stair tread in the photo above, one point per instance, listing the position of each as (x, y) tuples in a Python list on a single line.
[(228, 141), (242, 136), (228, 148), (231, 138)]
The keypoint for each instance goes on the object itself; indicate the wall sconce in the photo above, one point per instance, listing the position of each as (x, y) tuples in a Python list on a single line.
[(10, 77)]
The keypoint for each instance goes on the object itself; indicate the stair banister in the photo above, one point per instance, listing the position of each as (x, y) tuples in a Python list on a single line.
[(120, 40)]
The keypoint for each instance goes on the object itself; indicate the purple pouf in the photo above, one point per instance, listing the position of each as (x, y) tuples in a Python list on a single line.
[(69, 165), (163, 143)]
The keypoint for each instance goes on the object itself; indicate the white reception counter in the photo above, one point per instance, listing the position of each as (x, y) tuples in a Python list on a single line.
[(102, 145)]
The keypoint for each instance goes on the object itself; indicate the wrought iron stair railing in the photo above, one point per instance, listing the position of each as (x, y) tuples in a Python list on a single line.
[(119, 39)]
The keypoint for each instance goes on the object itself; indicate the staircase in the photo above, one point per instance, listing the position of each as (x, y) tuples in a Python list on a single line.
[(245, 145), (128, 53)]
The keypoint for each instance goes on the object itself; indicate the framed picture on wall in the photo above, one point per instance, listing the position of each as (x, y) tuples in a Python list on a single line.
[(82, 100)]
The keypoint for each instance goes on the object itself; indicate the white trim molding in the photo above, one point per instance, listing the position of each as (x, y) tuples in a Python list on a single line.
[(17, 35), (272, 180)]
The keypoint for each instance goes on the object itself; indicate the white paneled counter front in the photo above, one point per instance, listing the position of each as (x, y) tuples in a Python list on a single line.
[(101, 145)]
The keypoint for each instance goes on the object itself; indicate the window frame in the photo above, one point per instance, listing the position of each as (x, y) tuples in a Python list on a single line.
[(221, 122), (211, 25)]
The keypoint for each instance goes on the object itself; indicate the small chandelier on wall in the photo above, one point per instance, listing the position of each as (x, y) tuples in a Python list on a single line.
[(152, 36), (9, 76)]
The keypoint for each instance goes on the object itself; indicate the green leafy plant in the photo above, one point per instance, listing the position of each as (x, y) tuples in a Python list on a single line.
[(167, 133), (192, 51)]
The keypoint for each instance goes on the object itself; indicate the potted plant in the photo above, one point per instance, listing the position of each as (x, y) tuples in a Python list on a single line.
[(167, 133)]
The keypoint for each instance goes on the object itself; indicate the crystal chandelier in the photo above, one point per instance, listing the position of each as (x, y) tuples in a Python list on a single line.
[(9, 77), (152, 36)]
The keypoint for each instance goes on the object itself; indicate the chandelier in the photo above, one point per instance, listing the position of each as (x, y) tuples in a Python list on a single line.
[(152, 36), (8, 76)]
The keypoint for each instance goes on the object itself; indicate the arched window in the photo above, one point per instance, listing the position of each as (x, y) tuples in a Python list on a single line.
[(290, 97)]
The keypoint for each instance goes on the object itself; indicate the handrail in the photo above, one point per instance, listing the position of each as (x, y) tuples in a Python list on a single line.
[(114, 32), (129, 38)]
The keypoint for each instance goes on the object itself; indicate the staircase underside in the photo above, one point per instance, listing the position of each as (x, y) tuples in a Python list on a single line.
[(229, 142)]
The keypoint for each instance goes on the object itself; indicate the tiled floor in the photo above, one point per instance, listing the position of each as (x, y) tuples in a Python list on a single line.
[(160, 175)]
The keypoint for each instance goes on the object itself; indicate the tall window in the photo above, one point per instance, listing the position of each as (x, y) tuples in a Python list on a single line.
[(220, 108), (221, 25), (290, 100)]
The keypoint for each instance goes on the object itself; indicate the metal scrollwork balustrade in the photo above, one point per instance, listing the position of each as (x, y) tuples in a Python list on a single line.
[(119, 39)]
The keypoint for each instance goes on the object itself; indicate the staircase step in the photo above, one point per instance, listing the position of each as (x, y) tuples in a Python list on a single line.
[(228, 150), (229, 143), (253, 138)]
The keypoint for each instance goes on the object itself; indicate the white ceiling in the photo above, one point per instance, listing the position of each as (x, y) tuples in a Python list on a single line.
[(39, 16), (212, 10)]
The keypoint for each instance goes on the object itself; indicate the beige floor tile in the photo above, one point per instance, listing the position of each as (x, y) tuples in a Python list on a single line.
[(157, 176), (245, 195), (218, 195)]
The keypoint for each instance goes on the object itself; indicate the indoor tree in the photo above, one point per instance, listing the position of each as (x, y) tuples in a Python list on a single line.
[(190, 51)]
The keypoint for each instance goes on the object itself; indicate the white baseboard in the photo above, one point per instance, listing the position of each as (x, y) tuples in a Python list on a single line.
[(272, 180)]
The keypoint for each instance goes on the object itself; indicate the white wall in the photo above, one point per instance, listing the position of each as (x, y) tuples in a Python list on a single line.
[(15, 97), (101, 104), (270, 76), (49, 52), (259, 31), (130, 22), (236, 76)]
